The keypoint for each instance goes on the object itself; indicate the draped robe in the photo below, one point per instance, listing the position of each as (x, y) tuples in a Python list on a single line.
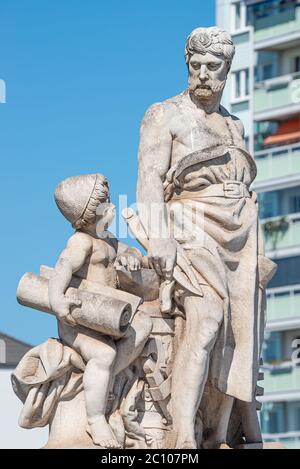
[(225, 249)]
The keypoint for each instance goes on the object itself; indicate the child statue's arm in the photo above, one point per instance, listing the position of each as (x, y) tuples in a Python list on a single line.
[(70, 260)]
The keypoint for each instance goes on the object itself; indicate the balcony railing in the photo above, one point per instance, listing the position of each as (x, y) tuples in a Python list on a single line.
[(286, 237), (277, 24), (283, 303), (277, 92), (281, 379), (290, 440), (278, 162)]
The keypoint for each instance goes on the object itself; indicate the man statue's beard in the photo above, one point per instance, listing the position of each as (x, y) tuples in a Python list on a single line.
[(206, 90)]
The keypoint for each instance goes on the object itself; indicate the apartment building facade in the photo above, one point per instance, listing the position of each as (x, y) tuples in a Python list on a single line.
[(263, 90)]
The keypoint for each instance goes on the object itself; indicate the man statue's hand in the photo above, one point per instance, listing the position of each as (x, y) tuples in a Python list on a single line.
[(162, 256), (128, 261)]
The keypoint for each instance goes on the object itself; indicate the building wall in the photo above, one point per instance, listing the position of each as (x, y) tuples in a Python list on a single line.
[(243, 60), (268, 46), (11, 435), (222, 18), (12, 350)]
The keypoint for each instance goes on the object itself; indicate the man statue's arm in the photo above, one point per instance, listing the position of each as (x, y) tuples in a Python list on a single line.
[(154, 161)]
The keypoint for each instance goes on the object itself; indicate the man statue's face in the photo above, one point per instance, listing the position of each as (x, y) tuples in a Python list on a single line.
[(207, 75)]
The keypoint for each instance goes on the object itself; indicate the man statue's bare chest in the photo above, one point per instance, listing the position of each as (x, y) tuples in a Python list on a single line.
[(197, 128), (196, 131)]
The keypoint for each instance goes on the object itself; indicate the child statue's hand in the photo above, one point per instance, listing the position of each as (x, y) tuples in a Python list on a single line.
[(62, 306), (129, 261)]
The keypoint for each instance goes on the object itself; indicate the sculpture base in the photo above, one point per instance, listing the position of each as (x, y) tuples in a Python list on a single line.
[(270, 445), (68, 426), (67, 430)]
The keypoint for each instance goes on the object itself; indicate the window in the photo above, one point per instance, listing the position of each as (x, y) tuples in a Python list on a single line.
[(294, 204), (270, 8), (237, 8), (281, 202), (238, 16), (237, 91), (272, 417), (264, 72), (272, 347), (288, 272), (297, 64), (263, 9), (262, 131), (293, 414), (247, 82), (247, 142), (268, 203), (267, 71), (276, 420), (240, 84), (286, 5)]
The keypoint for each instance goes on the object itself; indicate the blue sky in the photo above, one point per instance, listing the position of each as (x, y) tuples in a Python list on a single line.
[(79, 76)]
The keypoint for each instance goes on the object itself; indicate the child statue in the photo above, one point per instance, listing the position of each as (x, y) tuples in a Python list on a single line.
[(91, 255)]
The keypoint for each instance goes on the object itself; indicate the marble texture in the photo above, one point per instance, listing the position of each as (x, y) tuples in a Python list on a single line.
[(159, 350)]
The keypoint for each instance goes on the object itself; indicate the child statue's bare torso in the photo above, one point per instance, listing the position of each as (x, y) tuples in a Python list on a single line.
[(99, 264)]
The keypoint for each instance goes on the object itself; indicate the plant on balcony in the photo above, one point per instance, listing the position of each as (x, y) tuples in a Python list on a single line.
[(275, 229)]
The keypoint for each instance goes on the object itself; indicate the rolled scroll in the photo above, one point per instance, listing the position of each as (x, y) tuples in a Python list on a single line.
[(109, 315)]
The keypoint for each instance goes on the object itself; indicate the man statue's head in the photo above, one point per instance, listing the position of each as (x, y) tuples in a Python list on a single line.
[(208, 55)]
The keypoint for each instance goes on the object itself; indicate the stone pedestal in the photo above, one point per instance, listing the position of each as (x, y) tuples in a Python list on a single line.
[(270, 445), (67, 428)]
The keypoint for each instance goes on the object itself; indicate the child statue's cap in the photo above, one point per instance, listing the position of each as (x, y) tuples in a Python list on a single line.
[(73, 194)]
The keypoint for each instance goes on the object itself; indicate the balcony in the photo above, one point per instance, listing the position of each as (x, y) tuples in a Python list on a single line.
[(277, 97), (283, 304), (277, 162), (282, 232), (290, 440), (278, 26), (283, 379)]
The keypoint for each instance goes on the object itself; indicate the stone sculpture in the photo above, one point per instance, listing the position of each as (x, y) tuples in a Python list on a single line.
[(163, 350)]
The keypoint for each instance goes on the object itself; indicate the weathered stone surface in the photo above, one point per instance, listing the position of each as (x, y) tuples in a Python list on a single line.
[(195, 169), (100, 311), (143, 282), (163, 350)]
